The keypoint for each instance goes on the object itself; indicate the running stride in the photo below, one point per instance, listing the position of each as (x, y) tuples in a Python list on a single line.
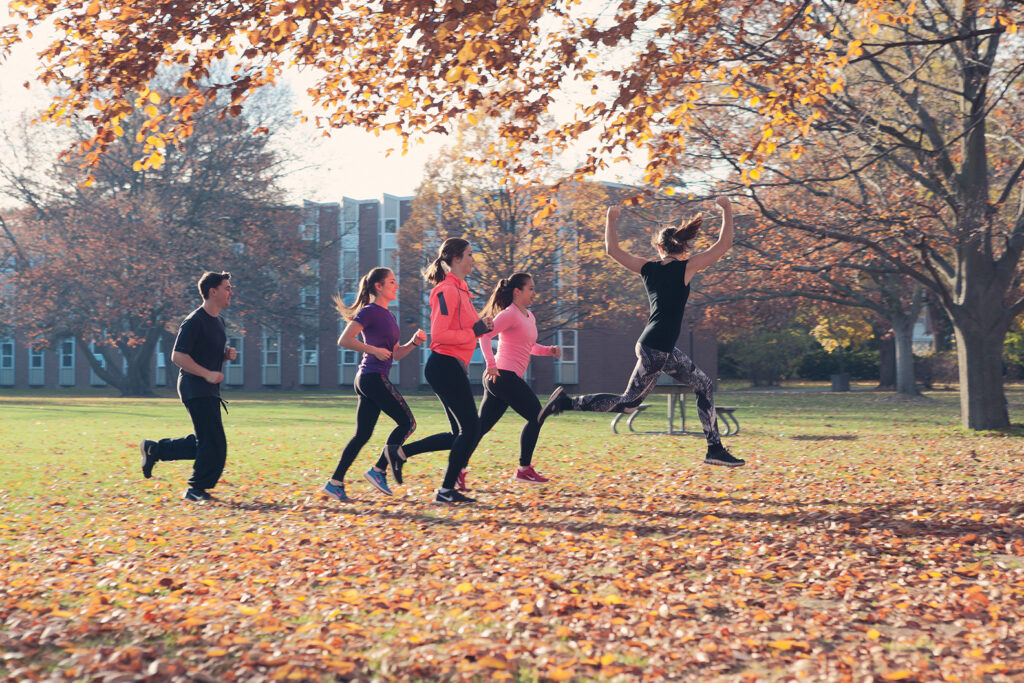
[(516, 328), (369, 316)]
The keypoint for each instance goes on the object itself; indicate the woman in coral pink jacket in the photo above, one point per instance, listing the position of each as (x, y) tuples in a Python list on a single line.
[(454, 328)]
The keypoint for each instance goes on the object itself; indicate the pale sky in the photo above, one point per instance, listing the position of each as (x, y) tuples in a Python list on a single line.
[(350, 163)]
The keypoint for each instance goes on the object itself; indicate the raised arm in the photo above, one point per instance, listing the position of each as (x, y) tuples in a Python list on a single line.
[(611, 242), (699, 262)]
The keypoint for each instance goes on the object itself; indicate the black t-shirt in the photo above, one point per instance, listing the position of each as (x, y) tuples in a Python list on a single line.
[(667, 289), (203, 337)]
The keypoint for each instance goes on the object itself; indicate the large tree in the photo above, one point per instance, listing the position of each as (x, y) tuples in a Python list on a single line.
[(899, 184), (114, 263)]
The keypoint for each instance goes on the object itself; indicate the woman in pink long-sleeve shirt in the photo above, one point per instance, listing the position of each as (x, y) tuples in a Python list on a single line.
[(504, 387)]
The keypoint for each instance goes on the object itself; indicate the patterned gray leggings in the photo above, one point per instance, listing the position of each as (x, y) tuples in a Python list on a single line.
[(649, 364)]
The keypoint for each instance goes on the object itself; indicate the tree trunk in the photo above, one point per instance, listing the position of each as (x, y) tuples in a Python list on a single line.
[(886, 361), (980, 362), (903, 331)]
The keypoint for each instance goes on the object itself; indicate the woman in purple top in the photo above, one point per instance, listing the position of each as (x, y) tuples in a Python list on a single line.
[(369, 316)]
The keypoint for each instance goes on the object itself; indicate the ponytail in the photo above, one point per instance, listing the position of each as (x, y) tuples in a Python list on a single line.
[(677, 240), (502, 296), (367, 291), (451, 248)]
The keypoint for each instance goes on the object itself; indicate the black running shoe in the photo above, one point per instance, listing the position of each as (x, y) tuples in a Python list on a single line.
[(197, 495), (148, 449), (557, 402), (452, 496), (395, 461), (717, 455)]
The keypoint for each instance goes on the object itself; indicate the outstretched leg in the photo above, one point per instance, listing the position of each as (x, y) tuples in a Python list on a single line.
[(649, 364)]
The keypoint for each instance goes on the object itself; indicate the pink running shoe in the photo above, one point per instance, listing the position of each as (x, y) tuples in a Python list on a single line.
[(529, 475), (460, 481)]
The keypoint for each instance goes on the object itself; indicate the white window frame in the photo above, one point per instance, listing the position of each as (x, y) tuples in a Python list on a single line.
[(567, 371), (36, 367), (309, 350), (7, 361), (66, 369), (265, 350), (238, 362)]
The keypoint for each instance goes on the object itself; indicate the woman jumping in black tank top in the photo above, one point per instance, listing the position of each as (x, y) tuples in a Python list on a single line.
[(668, 286)]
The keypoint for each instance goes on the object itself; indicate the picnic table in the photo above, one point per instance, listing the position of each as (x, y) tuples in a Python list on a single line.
[(675, 398)]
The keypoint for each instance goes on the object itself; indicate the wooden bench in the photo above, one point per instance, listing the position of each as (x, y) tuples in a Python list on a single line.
[(674, 397)]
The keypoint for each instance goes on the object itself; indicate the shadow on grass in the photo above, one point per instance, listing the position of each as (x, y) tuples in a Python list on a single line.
[(852, 522)]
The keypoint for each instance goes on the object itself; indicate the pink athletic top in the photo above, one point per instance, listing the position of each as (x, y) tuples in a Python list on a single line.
[(516, 343)]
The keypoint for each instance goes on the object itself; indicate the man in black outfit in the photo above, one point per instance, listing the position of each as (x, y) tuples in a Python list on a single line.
[(200, 351)]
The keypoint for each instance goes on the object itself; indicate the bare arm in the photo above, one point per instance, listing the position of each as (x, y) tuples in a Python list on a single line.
[(188, 364), (611, 242), (700, 261), (403, 350), (348, 340)]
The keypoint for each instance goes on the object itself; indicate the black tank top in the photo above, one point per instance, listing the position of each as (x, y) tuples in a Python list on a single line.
[(667, 289)]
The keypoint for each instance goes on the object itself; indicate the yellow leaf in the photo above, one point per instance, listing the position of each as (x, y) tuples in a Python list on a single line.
[(246, 609), (900, 675), (93, 10), (151, 111), (607, 659), (154, 97), (755, 174), (873, 634), (783, 645), (216, 652), (559, 674), (463, 588), (405, 100), (492, 662)]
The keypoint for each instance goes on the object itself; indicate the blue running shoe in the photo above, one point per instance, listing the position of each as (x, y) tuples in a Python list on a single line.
[(337, 492), (379, 481)]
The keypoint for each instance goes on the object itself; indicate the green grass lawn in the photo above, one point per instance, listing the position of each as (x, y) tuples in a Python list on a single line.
[(868, 538)]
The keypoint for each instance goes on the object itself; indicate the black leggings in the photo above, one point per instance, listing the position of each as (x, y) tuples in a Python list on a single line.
[(448, 379), (376, 394), (511, 390)]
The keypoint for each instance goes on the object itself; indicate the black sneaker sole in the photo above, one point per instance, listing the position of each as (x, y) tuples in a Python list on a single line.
[(549, 407), (147, 467), (735, 463), (393, 458)]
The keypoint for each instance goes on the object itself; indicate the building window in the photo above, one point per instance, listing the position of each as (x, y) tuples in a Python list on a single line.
[(234, 372), (36, 367), (390, 226), (66, 366), (566, 367), (7, 362), (271, 358), (348, 361), (310, 294), (309, 228), (349, 276), (309, 360), (389, 259)]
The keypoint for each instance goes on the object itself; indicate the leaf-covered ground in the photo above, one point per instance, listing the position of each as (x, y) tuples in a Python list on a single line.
[(867, 539)]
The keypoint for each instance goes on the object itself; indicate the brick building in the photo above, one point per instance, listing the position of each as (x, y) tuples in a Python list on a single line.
[(354, 236)]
